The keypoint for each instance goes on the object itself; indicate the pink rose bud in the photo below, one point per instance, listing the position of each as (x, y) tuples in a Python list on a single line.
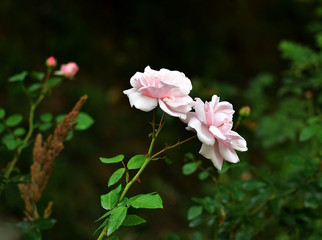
[(51, 62), (244, 111), (69, 69)]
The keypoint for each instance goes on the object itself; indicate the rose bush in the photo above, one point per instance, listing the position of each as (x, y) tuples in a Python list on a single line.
[(168, 89), (212, 121)]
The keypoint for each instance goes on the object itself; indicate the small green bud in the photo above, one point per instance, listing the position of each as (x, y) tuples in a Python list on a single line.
[(244, 112)]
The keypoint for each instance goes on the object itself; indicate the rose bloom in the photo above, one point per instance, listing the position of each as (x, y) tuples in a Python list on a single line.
[(69, 69), (212, 121), (168, 89)]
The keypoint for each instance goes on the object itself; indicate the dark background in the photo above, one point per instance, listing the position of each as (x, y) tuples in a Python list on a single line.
[(219, 45)]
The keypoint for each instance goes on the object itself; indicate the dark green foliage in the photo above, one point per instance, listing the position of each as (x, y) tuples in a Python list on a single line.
[(32, 230), (117, 204), (281, 197)]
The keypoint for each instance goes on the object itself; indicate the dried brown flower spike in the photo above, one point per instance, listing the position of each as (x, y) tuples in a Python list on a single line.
[(44, 155)]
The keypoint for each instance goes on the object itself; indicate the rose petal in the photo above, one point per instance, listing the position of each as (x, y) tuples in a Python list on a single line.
[(211, 152), (156, 92), (237, 142), (200, 110), (170, 111), (225, 107), (203, 133), (176, 78), (217, 133), (135, 80), (140, 101), (228, 153), (211, 112)]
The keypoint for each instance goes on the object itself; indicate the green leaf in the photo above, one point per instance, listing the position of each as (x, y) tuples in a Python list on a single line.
[(33, 234), (110, 200), (103, 224), (189, 168), (225, 167), (194, 211), (298, 54), (172, 236), (168, 161), (37, 75), (115, 159), (312, 201), (306, 133), (84, 121), (116, 219), (1, 127), (19, 132), (124, 202), (13, 120), (34, 87), (132, 220), (60, 118), (103, 216), (318, 131), (2, 113), (10, 141), (150, 201), (203, 175), (46, 117), (54, 81), (195, 222), (318, 39), (18, 77), (30, 232), (44, 223), (45, 126), (136, 161), (116, 176), (198, 236), (253, 184)]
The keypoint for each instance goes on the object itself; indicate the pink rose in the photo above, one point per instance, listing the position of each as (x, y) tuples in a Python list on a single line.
[(169, 89), (69, 69), (213, 123)]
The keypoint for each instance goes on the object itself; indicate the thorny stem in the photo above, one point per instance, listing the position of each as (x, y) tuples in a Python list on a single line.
[(33, 106), (155, 135), (173, 146), (100, 237), (148, 159)]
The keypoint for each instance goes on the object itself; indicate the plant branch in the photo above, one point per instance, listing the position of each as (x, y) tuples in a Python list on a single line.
[(33, 106), (173, 146)]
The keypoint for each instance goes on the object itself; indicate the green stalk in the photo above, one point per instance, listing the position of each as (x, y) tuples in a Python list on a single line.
[(18, 151), (148, 159), (100, 237), (173, 146)]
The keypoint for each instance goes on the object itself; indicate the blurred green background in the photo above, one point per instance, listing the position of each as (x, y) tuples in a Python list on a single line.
[(219, 45)]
